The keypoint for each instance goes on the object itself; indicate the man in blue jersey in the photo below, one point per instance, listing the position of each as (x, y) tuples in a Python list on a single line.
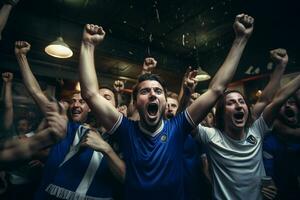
[(73, 169), (282, 154), (152, 147)]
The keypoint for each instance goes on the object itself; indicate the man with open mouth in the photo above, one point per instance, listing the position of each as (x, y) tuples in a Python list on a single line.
[(152, 147), (281, 154), (235, 145)]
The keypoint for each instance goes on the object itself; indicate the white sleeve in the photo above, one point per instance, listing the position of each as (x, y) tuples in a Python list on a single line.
[(116, 125), (260, 126), (205, 134)]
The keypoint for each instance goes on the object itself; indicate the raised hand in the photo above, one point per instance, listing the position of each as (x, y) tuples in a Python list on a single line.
[(7, 77), (149, 64), (243, 25), (93, 34), (189, 81), (279, 56), (94, 140), (57, 120), (21, 47), (118, 85)]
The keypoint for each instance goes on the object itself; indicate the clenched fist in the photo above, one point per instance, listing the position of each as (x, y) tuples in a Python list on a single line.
[(21, 47), (93, 34), (279, 56), (243, 25)]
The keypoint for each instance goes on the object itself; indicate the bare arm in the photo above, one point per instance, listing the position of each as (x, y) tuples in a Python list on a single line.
[(243, 27), (117, 166), (271, 111), (8, 102), (21, 49), (19, 149), (187, 89), (92, 35), (280, 58), (4, 14)]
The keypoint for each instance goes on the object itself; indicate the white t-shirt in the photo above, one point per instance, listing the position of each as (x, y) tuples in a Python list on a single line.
[(237, 165)]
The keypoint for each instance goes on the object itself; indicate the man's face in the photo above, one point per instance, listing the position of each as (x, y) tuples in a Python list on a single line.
[(23, 126), (151, 102), (236, 111), (78, 108), (290, 112), (108, 95), (171, 109)]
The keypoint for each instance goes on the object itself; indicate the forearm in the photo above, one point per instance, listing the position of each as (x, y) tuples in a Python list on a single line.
[(31, 83), (271, 111), (88, 77), (4, 13), (8, 104), (269, 91), (274, 83), (286, 91), (228, 68), (184, 97), (19, 149)]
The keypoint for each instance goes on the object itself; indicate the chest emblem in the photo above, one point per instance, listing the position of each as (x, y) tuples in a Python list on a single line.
[(251, 139), (164, 138)]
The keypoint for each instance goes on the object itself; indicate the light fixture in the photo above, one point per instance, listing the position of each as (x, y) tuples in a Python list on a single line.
[(202, 75), (59, 49)]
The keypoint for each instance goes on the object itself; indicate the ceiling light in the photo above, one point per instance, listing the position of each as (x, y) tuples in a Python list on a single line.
[(59, 49), (202, 75)]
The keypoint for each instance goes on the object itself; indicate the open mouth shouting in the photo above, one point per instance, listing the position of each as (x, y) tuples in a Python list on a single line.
[(152, 110), (239, 117), (290, 113)]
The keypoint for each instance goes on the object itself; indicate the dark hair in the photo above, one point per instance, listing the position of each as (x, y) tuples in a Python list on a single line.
[(112, 90), (172, 95), (147, 77), (220, 110)]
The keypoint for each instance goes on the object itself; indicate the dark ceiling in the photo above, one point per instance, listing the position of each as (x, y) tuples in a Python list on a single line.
[(178, 33)]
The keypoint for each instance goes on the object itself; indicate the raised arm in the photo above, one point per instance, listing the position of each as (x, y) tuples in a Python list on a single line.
[(271, 111), (21, 50), (280, 58), (4, 14), (8, 102), (188, 86), (108, 114), (19, 149), (94, 140), (243, 27)]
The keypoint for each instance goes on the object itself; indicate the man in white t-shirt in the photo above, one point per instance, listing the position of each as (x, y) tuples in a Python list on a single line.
[(235, 146)]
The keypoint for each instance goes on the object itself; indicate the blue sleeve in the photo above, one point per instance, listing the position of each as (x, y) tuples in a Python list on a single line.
[(269, 148)]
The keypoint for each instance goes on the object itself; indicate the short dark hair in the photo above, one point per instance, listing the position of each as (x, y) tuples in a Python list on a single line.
[(147, 77), (112, 90), (220, 110)]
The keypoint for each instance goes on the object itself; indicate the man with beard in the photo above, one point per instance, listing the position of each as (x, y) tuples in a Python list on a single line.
[(235, 145), (73, 169), (152, 147), (282, 154)]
